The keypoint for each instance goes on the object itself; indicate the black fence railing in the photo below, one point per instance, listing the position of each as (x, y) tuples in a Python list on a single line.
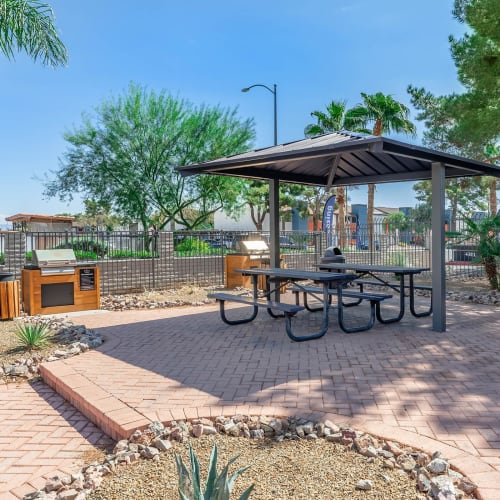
[(132, 261)]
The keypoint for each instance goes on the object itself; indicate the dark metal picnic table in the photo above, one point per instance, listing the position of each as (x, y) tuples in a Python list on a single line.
[(377, 272), (280, 278)]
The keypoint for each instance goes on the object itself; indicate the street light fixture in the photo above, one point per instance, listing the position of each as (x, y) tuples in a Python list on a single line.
[(274, 92), (274, 228)]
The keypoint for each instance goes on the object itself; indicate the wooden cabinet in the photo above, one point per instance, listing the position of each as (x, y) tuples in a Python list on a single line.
[(9, 299), (53, 294), (234, 261)]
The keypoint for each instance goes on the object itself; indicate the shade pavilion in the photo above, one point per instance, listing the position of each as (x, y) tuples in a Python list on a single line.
[(346, 159)]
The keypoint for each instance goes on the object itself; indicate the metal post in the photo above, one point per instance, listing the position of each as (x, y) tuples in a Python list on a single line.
[(438, 241)]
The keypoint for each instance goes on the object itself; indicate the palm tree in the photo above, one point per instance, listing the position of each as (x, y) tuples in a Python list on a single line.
[(28, 25), (486, 233), (387, 115), (337, 117)]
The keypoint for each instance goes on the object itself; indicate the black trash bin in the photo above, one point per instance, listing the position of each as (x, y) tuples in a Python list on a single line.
[(332, 255)]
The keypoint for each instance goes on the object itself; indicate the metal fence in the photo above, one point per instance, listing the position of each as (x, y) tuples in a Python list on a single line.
[(134, 261)]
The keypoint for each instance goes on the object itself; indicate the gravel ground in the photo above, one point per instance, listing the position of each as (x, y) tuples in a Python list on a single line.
[(10, 349), (298, 470)]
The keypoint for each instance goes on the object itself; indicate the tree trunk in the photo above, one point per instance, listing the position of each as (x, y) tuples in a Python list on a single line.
[(493, 202), (369, 216)]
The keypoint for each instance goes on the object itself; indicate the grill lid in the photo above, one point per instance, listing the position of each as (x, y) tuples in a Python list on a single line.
[(255, 247), (54, 258)]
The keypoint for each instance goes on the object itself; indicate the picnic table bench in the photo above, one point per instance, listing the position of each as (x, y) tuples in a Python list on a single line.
[(374, 298)]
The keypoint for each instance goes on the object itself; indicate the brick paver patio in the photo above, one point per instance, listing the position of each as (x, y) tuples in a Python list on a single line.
[(434, 391)]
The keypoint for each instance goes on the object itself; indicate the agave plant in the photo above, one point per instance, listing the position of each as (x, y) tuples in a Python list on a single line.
[(217, 486), (32, 335)]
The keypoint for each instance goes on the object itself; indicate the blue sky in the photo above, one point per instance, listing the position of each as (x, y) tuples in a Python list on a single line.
[(206, 52)]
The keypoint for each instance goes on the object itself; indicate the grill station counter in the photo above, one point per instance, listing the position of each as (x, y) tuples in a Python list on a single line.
[(249, 253), (56, 283)]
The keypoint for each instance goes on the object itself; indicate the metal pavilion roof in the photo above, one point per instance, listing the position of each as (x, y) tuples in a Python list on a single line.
[(341, 158)]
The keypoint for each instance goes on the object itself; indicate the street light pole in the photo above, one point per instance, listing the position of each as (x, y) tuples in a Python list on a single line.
[(274, 221), (273, 91)]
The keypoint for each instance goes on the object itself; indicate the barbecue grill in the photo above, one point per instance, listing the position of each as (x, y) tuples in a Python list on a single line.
[(248, 253), (257, 250), (50, 262), (56, 283)]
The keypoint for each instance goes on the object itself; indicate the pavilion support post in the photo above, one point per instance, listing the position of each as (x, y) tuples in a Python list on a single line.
[(274, 223), (438, 255)]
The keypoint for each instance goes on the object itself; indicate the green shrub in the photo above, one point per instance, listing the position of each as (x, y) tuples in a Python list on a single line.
[(32, 335), (84, 245), (193, 245), (83, 255), (217, 486), (2, 259), (130, 254)]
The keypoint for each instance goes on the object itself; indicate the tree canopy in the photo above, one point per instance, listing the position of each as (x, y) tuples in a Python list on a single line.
[(29, 26), (125, 153)]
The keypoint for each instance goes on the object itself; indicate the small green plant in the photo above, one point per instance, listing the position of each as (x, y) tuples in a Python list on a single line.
[(32, 335), (2, 259), (217, 486)]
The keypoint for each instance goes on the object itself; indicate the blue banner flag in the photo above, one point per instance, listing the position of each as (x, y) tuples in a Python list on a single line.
[(329, 219)]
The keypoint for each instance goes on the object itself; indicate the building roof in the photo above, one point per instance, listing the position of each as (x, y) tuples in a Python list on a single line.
[(341, 159), (39, 218)]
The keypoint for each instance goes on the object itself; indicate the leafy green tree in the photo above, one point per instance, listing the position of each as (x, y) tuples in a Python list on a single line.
[(486, 233), (468, 124), (464, 195), (29, 26), (396, 222), (386, 115), (125, 156), (477, 59)]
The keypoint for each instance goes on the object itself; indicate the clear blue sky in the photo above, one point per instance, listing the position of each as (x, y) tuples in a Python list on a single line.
[(206, 52)]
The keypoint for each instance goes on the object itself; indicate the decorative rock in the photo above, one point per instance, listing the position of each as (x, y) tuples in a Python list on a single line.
[(370, 451), (70, 494), (385, 453), (388, 464), (257, 434), (442, 488), (422, 459), (406, 462), (423, 483), (467, 486), (437, 466), (53, 484), (149, 452), (122, 445), (157, 427), (334, 438), (311, 436), (163, 444), (330, 425), (393, 448), (197, 430), (364, 485), (308, 428), (276, 425)]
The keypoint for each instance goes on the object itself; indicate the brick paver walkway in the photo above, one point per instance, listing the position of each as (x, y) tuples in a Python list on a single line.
[(401, 381), (41, 435)]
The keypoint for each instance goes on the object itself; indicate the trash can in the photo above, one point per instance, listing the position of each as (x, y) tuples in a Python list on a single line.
[(9, 298)]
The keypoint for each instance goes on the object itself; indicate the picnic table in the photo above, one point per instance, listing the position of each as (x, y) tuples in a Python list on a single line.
[(330, 283), (378, 276)]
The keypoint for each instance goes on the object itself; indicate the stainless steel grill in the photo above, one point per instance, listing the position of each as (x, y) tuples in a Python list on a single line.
[(53, 262), (255, 249)]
